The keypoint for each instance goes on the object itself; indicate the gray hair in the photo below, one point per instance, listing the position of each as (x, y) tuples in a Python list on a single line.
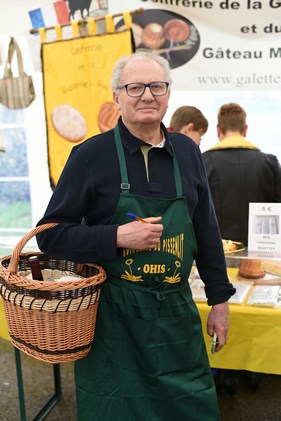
[(138, 56)]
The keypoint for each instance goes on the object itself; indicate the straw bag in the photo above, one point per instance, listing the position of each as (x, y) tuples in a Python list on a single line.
[(51, 320), (16, 92)]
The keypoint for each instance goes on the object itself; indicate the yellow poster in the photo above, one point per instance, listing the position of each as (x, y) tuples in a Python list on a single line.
[(78, 98)]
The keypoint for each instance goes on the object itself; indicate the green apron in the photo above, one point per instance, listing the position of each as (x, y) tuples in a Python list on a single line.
[(148, 361)]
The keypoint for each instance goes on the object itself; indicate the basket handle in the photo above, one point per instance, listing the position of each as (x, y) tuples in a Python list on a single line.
[(13, 265)]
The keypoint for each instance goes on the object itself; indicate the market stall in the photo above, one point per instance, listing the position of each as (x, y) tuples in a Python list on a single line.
[(253, 339)]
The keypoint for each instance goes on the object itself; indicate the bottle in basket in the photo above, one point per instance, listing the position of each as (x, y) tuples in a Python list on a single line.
[(36, 272)]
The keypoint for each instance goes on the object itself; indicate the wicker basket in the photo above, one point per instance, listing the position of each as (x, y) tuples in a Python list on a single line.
[(52, 320)]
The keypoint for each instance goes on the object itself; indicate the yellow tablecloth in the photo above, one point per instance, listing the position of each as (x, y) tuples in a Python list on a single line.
[(254, 339), (3, 325)]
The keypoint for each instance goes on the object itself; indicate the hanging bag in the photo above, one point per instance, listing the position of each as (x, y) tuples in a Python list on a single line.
[(16, 92)]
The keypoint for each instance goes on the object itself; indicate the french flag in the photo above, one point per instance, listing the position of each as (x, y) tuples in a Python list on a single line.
[(50, 15)]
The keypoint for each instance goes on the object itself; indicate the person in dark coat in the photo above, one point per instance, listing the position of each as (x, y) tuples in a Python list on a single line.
[(239, 173), (148, 360)]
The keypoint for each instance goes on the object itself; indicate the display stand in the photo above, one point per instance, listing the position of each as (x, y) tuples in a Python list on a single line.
[(271, 262), (45, 410), (256, 255)]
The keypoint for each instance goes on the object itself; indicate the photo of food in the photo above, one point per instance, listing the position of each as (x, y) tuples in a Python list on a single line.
[(153, 35), (171, 35), (108, 116), (69, 123)]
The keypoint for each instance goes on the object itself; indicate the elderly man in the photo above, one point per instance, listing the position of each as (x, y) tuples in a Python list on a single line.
[(148, 360)]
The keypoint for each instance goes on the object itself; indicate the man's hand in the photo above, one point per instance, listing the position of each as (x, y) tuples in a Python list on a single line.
[(218, 321), (139, 235)]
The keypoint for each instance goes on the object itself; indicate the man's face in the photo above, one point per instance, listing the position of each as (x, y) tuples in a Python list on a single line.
[(146, 108)]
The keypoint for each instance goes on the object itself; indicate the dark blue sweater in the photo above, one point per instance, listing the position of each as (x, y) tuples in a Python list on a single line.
[(87, 195)]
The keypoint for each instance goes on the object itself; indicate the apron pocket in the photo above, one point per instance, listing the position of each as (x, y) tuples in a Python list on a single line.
[(137, 344), (174, 344), (157, 346)]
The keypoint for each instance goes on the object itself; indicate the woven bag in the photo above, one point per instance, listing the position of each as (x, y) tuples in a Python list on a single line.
[(51, 320), (16, 92)]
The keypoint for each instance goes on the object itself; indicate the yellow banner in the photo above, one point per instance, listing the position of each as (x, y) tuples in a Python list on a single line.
[(78, 98)]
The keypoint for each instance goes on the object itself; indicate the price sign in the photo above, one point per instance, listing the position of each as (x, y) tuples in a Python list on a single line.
[(264, 227)]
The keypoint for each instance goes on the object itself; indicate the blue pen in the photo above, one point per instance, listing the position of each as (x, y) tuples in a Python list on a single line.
[(136, 218)]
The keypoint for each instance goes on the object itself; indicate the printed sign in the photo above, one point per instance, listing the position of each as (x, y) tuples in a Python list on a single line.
[(214, 45), (264, 227)]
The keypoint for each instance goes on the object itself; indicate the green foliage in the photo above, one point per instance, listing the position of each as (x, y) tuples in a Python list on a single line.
[(15, 206), (15, 215), (13, 162)]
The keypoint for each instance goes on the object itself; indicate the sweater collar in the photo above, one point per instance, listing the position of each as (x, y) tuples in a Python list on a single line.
[(234, 142), (133, 143)]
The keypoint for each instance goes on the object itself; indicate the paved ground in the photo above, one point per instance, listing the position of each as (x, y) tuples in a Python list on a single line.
[(246, 405)]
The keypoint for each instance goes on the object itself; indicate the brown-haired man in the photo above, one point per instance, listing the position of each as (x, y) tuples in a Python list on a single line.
[(239, 173)]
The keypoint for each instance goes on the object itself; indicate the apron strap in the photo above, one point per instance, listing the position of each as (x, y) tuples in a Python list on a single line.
[(125, 185), (177, 175)]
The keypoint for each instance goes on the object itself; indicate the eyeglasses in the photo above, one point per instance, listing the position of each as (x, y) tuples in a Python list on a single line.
[(137, 89)]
